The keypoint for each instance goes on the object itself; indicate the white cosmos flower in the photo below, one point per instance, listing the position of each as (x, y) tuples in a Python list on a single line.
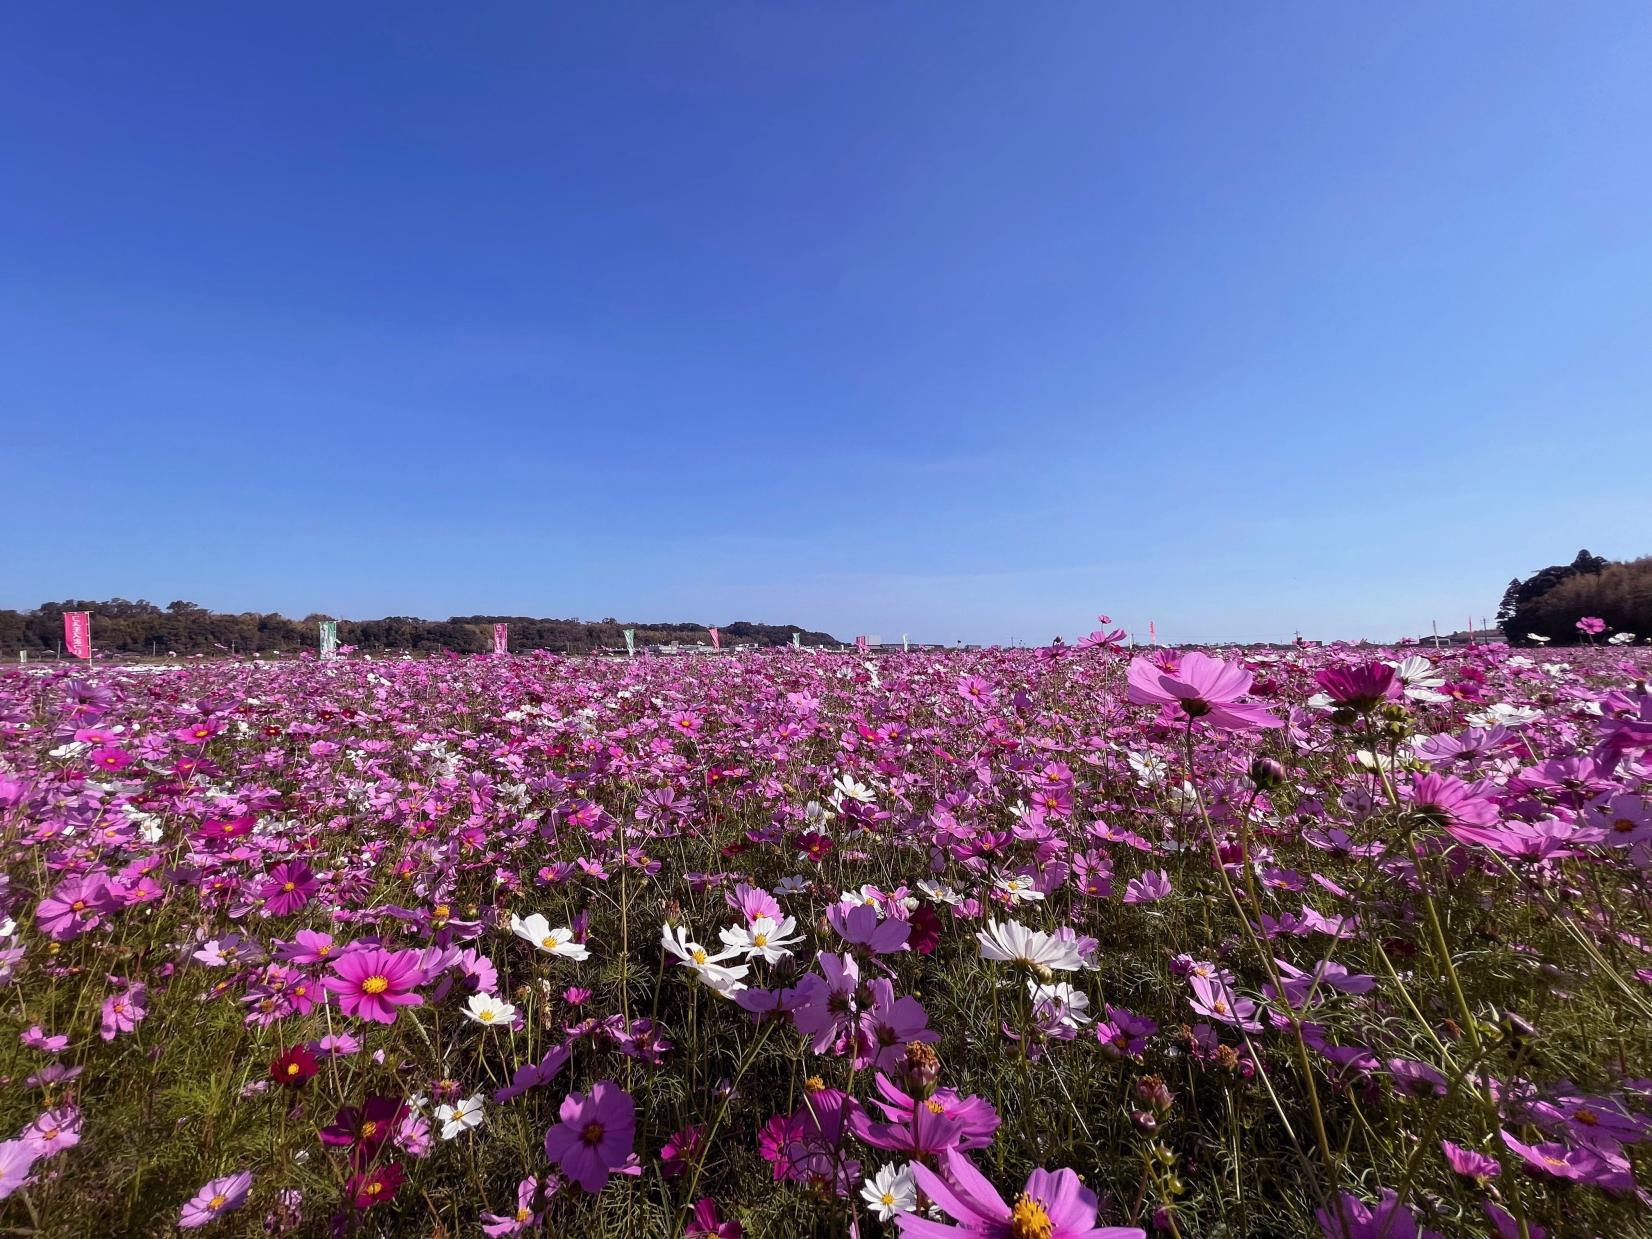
[(1011, 942), (890, 1191), (940, 892), (762, 938), (488, 1009), (847, 787), (461, 1116), (792, 886), (722, 978), (1541, 640), (1420, 679), (1019, 887), (1504, 713), (537, 930), (1150, 768), (1621, 638), (1070, 1004), (868, 895)]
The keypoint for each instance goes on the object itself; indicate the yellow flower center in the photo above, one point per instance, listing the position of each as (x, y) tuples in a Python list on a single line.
[(760, 940), (699, 955), (289, 886), (888, 1199), (934, 1106), (368, 1128), (375, 985), (443, 911), (292, 1069), (486, 1016), (548, 942), (814, 1084), (374, 1188), (1028, 1220), (217, 1202)]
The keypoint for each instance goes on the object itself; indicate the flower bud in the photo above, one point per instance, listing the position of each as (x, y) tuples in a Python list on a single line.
[(1267, 774)]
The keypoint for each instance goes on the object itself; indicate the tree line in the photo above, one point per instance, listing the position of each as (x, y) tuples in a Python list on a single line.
[(141, 627), (1550, 602)]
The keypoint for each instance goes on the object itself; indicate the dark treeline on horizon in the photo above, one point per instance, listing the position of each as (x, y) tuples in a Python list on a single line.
[(141, 627), (1550, 602)]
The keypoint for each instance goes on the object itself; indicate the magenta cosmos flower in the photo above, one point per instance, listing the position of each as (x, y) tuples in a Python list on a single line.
[(1361, 688), (288, 887), (1051, 1206), (1200, 687), (371, 984), (215, 1199), (594, 1138)]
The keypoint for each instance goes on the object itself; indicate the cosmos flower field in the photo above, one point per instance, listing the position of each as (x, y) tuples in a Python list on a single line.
[(1073, 943)]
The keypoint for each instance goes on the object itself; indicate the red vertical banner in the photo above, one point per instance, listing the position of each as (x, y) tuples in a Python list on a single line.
[(501, 638), (77, 633), (860, 644), (716, 639), (1152, 634)]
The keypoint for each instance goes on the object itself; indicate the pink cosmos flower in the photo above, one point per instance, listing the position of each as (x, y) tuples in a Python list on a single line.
[(1581, 1165), (307, 947), (288, 888), (1212, 998), (1447, 800), (595, 1136), (706, 1220), (371, 984), (1592, 625), (111, 759), (16, 1160), (496, 1225), (1051, 1205), (1124, 1032), (1389, 1218), (975, 1117), (122, 1012), (926, 1132), (1201, 689), (77, 906), (54, 1132), (859, 924), (215, 1199), (1152, 886), (35, 1038), (828, 1009), (1469, 1163)]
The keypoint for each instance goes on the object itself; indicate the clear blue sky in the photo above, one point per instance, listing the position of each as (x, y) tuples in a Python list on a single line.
[(964, 320)]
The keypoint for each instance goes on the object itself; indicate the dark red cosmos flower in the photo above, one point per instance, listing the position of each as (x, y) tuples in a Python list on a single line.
[(363, 1130), (815, 846), (292, 1067), (375, 1187)]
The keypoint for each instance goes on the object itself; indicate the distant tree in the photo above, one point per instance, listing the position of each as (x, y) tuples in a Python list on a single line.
[(1535, 604)]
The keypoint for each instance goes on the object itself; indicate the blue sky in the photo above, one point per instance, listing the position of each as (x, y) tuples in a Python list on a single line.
[(963, 320)]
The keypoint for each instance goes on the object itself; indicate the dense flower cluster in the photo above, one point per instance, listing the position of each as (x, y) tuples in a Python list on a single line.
[(1341, 941)]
